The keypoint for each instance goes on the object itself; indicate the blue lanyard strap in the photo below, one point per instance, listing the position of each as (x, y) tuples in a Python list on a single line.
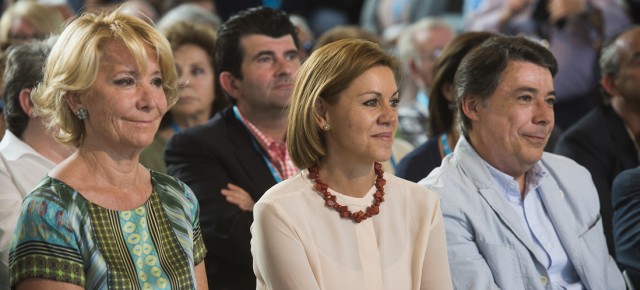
[(175, 127), (445, 144), (273, 170)]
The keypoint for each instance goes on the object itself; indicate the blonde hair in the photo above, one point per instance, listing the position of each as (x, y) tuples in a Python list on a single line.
[(74, 61), (45, 19), (325, 74)]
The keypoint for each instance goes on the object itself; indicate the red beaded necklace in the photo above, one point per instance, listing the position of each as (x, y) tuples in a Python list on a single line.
[(330, 199)]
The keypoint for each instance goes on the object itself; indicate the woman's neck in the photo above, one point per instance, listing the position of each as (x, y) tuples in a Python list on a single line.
[(348, 178), (188, 121)]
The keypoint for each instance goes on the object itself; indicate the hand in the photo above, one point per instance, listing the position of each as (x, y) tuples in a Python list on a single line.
[(238, 196), (562, 9)]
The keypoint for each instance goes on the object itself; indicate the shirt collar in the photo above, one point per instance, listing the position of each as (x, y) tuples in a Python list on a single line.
[(13, 148), (509, 186)]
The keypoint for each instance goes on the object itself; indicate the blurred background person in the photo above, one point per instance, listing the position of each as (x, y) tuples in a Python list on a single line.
[(573, 31), (442, 125), (305, 36), (189, 12), (28, 151), (104, 219), (193, 51), (605, 140), (320, 229), (400, 147), (419, 46), (626, 224), (25, 20)]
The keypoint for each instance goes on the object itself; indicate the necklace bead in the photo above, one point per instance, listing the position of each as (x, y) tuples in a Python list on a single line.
[(343, 211)]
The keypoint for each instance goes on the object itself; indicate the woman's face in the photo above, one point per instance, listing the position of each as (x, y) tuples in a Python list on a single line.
[(125, 105), (196, 74), (364, 119)]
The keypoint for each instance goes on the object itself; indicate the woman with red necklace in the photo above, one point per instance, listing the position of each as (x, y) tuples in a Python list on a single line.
[(342, 223)]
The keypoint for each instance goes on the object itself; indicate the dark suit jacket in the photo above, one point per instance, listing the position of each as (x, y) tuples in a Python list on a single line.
[(206, 158), (626, 221), (420, 162), (600, 142)]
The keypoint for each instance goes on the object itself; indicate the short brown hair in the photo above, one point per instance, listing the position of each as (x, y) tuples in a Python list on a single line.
[(325, 74)]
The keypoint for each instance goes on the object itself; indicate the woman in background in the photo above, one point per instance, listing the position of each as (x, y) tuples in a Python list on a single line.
[(193, 47), (342, 223), (101, 220), (443, 133)]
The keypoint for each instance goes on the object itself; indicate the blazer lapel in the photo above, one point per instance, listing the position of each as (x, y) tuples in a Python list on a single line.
[(557, 209), (248, 157), (474, 168)]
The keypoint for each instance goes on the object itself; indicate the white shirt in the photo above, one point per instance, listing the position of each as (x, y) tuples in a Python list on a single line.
[(21, 168), (535, 219), (299, 243)]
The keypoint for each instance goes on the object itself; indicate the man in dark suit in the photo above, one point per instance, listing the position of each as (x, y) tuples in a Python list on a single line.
[(626, 187), (626, 222), (603, 140), (230, 161)]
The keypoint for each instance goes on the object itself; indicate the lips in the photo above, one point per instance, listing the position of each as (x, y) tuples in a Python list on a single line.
[(387, 136)]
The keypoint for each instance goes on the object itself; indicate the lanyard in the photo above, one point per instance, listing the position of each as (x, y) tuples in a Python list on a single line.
[(445, 144), (273, 170), (175, 127)]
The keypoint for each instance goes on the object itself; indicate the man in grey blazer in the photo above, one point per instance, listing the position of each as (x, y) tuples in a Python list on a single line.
[(515, 217)]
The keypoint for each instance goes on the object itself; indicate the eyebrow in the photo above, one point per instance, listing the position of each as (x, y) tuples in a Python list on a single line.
[(272, 53), (533, 91), (378, 94)]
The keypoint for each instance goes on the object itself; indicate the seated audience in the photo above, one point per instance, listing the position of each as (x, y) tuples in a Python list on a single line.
[(573, 31), (189, 12), (419, 46), (604, 141), (442, 124), (25, 20), (332, 226), (105, 221), (515, 216), (28, 151), (193, 48)]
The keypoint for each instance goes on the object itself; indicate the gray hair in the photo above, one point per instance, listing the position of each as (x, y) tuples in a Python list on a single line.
[(189, 12), (406, 46), (24, 70)]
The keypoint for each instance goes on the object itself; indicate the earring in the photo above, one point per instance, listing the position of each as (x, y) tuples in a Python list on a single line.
[(326, 127), (82, 113)]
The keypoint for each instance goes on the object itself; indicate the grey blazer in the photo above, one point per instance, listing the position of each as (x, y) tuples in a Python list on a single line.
[(487, 246)]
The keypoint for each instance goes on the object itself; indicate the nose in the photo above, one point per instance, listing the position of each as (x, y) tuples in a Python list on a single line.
[(543, 113), (388, 115), (150, 98), (286, 66)]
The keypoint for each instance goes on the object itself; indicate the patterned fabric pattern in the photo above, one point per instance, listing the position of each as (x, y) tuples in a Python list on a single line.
[(64, 237)]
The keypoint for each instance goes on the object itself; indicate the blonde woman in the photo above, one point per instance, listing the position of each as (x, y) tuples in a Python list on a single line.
[(100, 219)]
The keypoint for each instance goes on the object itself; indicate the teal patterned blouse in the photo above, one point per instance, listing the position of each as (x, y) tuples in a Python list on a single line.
[(62, 236)]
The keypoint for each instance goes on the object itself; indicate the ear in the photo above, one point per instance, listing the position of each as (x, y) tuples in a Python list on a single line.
[(320, 115), (608, 83), (74, 101), (471, 107), (25, 101), (228, 82)]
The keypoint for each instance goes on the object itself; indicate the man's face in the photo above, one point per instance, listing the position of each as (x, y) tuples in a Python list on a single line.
[(628, 80), (511, 128), (268, 66), (429, 43)]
